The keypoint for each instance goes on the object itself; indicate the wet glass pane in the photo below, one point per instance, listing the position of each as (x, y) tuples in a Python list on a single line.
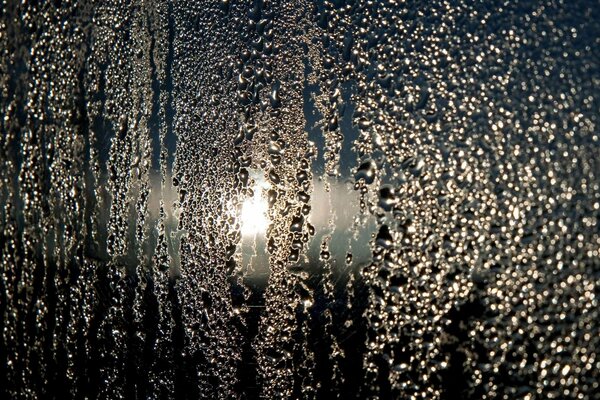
[(299, 199)]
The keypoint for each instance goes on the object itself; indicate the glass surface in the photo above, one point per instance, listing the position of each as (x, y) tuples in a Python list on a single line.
[(299, 199)]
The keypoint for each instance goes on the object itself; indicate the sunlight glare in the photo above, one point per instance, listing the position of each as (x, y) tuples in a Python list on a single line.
[(253, 217)]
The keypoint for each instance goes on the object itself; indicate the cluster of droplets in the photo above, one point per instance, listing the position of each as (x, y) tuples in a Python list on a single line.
[(461, 146), (146, 146)]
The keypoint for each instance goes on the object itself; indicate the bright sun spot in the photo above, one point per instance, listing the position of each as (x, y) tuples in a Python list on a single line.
[(253, 217)]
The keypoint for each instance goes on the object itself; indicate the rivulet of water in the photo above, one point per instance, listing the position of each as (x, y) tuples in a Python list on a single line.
[(299, 199)]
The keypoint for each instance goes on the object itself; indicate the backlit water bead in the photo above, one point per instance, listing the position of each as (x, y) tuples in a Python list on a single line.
[(366, 172), (387, 198)]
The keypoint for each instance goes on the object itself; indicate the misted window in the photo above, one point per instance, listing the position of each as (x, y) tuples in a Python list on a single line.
[(227, 199)]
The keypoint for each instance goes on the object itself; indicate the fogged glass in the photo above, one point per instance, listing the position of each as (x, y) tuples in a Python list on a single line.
[(296, 199)]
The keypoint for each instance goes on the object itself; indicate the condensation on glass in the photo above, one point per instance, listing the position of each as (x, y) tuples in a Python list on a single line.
[(296, 199)]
